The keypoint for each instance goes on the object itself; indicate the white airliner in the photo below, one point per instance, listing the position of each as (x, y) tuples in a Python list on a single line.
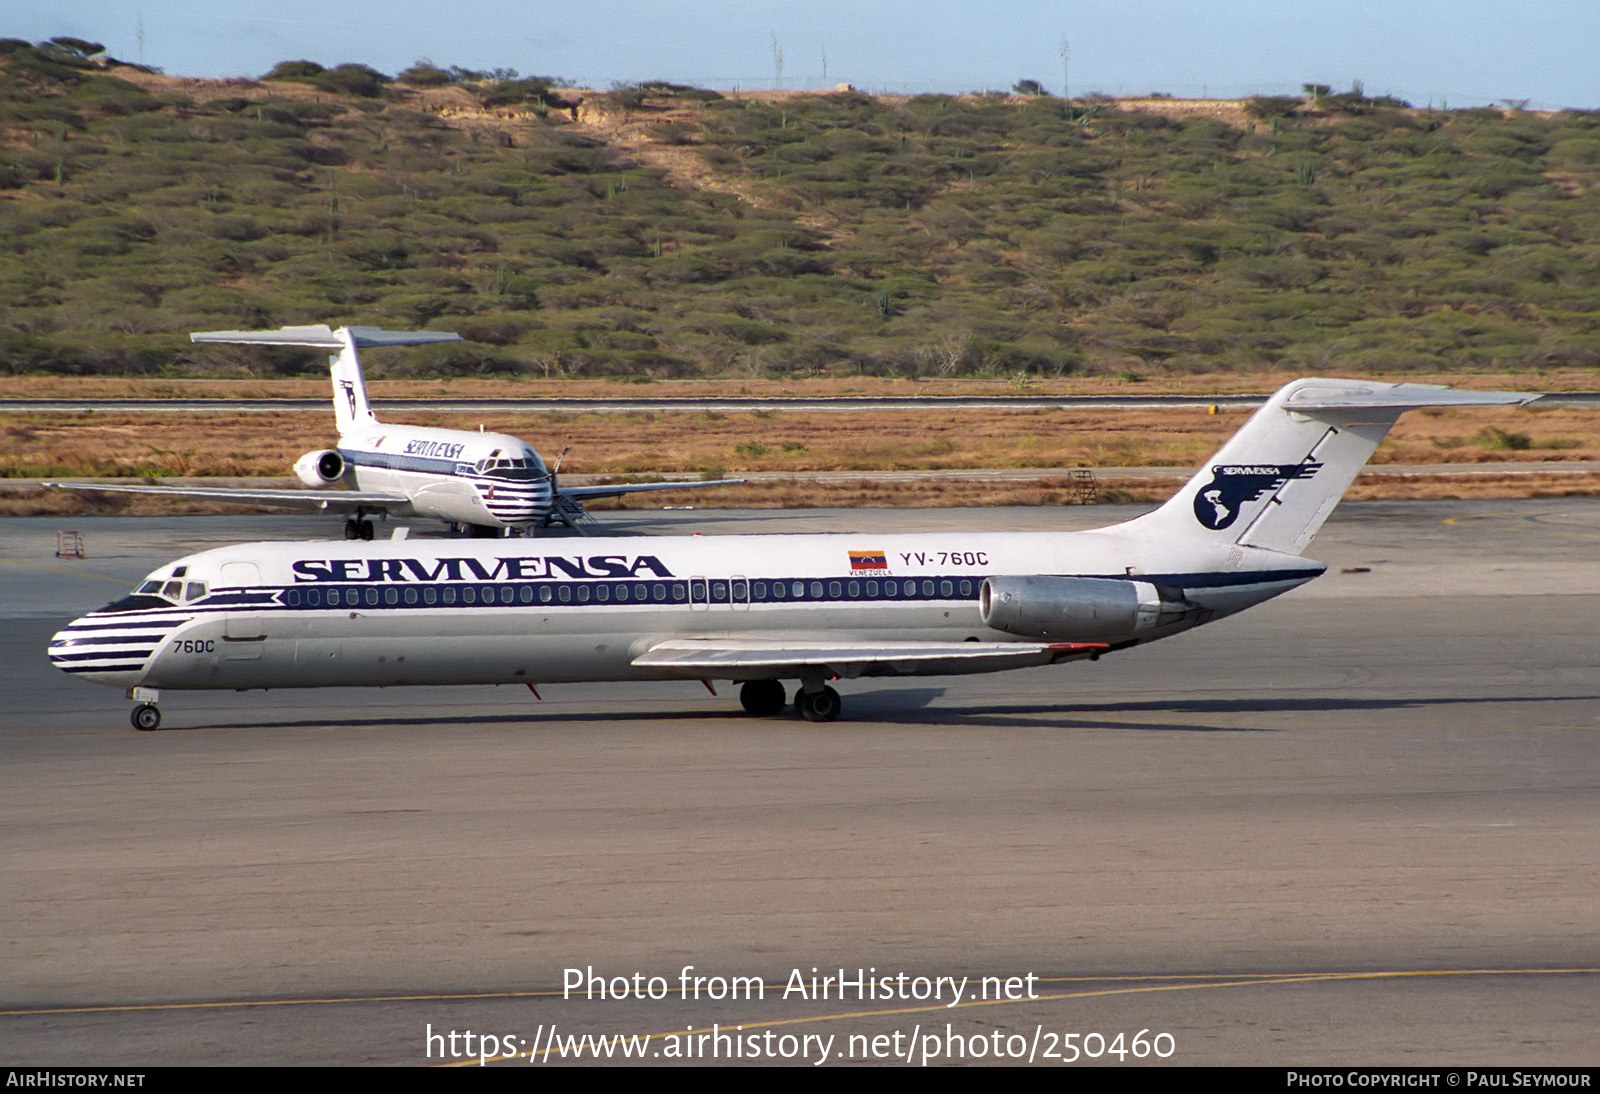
[(752, 609), (491, 483)]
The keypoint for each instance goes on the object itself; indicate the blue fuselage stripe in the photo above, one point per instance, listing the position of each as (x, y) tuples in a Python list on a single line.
[(549, 593), (388, 462)]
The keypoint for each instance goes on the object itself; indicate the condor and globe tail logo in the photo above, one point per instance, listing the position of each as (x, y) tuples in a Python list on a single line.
[(1218, 503)]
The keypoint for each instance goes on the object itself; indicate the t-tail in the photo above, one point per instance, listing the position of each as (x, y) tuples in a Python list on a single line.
[(350, 407), (1276, 480)]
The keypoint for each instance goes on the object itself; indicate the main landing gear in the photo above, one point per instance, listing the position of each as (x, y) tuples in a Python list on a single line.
[(821, 705), (358, 527), (764, 698)]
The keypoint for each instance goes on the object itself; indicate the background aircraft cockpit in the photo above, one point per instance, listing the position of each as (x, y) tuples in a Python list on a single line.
[(525, 466)]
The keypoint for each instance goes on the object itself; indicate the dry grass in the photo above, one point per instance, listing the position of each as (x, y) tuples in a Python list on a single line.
[(666, 443), (1228, 383), (942, 493), (1377, 486), (688, 444)]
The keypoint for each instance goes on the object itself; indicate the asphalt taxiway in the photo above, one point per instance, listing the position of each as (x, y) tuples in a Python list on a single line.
[(1355, 825)]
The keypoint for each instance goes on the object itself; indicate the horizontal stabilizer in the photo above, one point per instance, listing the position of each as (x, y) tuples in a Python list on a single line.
[(322, 336), (1311, 399)]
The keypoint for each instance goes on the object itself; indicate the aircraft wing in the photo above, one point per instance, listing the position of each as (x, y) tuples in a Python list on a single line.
[(736, 657), (325, 501), (590, 493)]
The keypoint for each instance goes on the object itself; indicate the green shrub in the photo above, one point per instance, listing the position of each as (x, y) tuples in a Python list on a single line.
[(297, 71), (424, 74), (1490, 437), (351, 79)]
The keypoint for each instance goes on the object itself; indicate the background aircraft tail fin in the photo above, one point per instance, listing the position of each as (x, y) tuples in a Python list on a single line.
[(350, 407), (1276, 480)]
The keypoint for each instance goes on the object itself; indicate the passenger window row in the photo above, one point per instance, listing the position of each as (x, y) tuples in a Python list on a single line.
[(699, 590)]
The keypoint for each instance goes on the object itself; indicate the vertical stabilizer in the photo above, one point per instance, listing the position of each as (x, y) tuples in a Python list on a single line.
[(1276, 480), (350, 408)]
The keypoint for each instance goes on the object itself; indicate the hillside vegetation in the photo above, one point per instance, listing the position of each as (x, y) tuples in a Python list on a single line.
[(669, 232)]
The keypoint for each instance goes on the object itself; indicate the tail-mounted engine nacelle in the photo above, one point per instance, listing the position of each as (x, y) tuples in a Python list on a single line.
[(320, 468), (1080, 609)]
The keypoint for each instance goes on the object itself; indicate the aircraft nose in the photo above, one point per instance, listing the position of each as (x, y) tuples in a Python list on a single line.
[(106, 652), (517, 502), (62, 644)]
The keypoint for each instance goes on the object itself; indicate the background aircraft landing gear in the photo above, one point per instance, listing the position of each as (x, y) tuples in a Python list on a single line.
[(763, 698), (822, 705), (146, 717), (358, 528)]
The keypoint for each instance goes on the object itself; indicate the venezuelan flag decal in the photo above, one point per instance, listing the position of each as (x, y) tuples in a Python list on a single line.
[(868, 560)]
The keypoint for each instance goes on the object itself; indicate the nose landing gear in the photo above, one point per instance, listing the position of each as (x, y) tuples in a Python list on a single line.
[(146, 716)]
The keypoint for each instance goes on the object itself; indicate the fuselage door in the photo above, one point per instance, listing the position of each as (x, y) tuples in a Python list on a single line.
[(243, 634)]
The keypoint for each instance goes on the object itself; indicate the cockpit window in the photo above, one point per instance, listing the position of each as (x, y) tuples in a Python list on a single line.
[(512, 469), (156, 593)]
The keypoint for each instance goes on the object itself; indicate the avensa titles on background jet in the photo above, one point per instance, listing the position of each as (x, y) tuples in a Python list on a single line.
[(757, 610), (491, 483)]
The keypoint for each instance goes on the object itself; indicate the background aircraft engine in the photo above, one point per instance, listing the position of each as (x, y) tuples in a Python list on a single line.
[(320, 468), (1079, 609)]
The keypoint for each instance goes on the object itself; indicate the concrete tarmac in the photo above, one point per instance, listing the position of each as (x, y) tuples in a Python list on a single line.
[(1356, 825)]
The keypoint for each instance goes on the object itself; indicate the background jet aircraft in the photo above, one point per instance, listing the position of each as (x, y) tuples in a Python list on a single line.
[(757, 610), (491, 483)]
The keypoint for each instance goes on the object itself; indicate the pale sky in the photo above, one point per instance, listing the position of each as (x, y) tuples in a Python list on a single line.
[(1447, 52)]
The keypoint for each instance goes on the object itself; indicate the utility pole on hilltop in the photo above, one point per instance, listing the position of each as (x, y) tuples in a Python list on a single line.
[(1066, 91)]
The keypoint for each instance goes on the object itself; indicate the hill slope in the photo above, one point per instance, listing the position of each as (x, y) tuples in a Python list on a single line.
[(669, 232)]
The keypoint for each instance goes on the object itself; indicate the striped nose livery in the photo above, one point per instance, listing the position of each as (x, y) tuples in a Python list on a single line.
[(514, 501), (112, 649)]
